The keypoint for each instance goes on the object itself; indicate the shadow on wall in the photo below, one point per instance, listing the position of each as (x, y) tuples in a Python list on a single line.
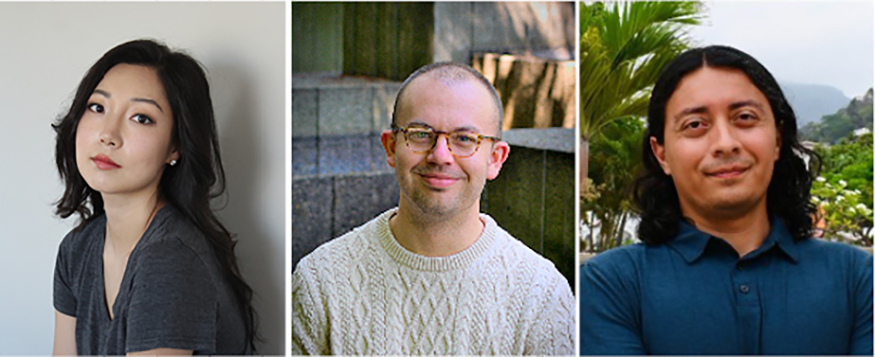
[(242, 155), (539, 28)]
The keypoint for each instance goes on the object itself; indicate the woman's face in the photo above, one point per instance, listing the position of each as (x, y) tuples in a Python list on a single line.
[(123, 141)]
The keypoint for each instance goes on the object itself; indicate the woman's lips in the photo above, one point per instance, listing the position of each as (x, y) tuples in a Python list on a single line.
[(103, 162)]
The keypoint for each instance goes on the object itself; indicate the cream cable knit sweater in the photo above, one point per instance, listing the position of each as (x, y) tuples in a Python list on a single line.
[(364, 293)]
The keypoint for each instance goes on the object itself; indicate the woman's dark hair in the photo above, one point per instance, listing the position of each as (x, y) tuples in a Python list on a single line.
[(198, 176), (654, 194)]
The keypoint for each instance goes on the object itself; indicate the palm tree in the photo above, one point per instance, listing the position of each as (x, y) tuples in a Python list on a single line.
[(623, 48)]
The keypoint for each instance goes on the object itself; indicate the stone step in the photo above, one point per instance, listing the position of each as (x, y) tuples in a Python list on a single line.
[(332, 105)]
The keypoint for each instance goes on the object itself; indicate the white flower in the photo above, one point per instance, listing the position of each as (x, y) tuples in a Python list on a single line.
[(842, 183), (821, 179), (860, 206), (815, 199), (840, 198)]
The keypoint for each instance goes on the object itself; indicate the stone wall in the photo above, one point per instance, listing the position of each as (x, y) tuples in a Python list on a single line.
[(533, 196), (536, 93), (327, 206), (542, 29), (337, 122)]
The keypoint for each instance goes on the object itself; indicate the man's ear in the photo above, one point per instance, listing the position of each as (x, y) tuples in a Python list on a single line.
[(388, 140), (496, 158), (659, 153), (778, 143)]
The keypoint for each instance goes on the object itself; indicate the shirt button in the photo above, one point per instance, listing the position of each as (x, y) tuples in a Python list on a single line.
[(744, 289)]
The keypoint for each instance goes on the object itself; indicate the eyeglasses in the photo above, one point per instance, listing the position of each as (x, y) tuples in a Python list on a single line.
[(423, 139)]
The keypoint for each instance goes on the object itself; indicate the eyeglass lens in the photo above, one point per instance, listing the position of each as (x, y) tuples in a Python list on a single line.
[(461, 143)]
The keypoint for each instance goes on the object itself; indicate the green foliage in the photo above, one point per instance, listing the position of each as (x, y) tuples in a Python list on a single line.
[(623, 48), (831, 128), (847, 218), (615, 160), (844, 189)]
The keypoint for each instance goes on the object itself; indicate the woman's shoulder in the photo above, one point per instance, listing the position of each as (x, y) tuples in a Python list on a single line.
[(171, 229), (83, 237)]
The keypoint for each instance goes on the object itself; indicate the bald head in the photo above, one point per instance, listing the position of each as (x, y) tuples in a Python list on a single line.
[(450, 73)]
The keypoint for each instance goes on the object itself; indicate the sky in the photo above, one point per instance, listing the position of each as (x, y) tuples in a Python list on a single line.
[(812, 42)]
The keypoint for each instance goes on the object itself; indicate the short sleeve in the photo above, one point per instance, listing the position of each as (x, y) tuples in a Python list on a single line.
[(63, 296), (309, 317), (173, 301), (609, 311)]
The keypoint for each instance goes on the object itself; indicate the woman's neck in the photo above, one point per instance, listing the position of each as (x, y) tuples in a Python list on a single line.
[(127, 218)]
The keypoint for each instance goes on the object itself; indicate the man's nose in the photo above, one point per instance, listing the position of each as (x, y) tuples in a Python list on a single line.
[(725, 139), (440, 153)]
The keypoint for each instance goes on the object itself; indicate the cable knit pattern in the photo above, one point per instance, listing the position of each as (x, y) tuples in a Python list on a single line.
[(364, 293)]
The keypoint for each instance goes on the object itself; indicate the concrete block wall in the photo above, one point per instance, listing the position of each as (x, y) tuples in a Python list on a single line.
[(533, 196), (337, 121), (327, 206), (536, 93), (340, 178)]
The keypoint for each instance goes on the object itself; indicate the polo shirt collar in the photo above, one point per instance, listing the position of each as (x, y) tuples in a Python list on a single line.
[(691, 242)]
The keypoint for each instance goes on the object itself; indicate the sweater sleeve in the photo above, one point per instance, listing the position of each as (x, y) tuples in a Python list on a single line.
[(553, 330), (309, 316)]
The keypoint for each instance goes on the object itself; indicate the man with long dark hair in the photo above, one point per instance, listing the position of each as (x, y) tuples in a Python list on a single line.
[(727, 265), (434, 276)]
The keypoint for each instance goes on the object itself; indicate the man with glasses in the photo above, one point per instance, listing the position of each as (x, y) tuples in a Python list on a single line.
[(434, 276)]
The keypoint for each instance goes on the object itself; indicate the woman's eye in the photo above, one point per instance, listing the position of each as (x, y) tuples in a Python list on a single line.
[(142, 119), (94, 107)]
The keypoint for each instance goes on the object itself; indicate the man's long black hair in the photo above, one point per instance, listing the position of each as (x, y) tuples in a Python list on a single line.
[(789, 194)]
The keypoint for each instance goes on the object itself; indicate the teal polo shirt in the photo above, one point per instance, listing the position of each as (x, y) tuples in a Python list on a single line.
[(694, 296)]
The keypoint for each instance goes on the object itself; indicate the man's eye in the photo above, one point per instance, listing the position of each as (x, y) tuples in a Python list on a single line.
[(695, 125), (94, 107), (466, 138), (747, 116), (142, 119), (420, 135)]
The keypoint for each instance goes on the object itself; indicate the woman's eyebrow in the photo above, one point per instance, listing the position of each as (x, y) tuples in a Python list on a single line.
[(142, 100), (147, 100)]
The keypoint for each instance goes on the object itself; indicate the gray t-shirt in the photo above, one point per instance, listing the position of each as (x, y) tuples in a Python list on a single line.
[(173, 293)]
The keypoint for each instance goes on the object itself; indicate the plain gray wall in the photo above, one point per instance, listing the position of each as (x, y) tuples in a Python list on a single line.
[(46, 48)]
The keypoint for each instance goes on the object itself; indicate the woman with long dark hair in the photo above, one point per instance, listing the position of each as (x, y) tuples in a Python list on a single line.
[(149, 269)]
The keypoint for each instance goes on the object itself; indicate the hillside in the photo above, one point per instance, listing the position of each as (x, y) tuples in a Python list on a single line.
[(810, 102), (856, 115)]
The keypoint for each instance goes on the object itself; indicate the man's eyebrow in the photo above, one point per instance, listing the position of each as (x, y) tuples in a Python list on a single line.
[(693, 110), (461, 128), (142, 100), (747, 103), (147, 100)]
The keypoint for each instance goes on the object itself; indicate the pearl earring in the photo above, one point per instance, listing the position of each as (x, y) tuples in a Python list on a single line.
[(173, 163)]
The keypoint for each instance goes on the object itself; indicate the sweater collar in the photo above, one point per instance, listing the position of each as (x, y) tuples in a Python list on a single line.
[(420, 262)]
